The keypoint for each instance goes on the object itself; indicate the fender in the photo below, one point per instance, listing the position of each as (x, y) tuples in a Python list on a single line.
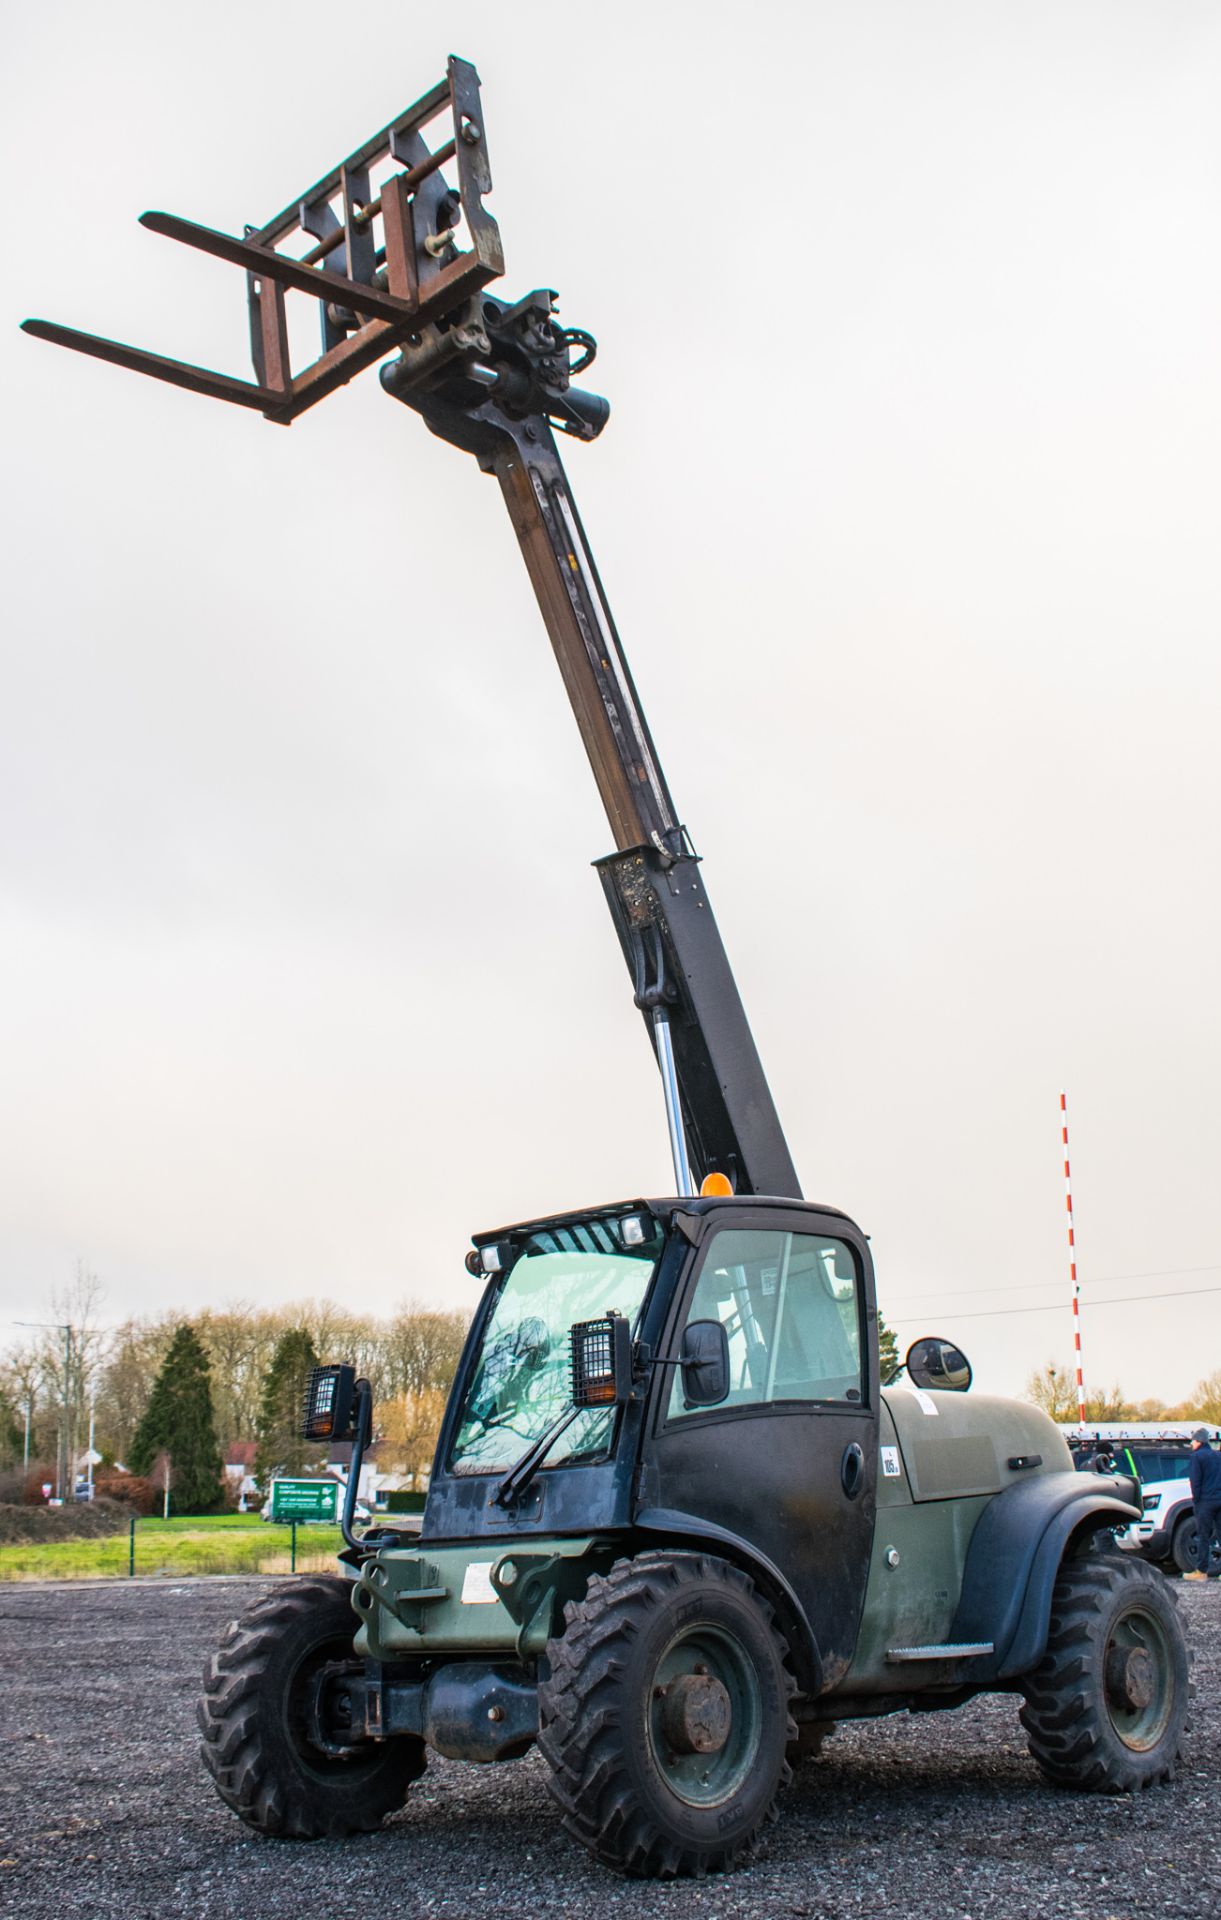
[(791, 1615), (1013, 1560)]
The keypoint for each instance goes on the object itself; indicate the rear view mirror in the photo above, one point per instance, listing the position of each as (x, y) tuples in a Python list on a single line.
[(704, 1359), (937, 1363)]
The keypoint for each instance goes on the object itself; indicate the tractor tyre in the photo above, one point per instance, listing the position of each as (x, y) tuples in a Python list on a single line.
[(262, 1744), (1106, 1710), (665, 1716)]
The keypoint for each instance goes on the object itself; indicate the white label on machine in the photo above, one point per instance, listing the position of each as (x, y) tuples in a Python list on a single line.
[(477, 1588), (927, 1404), (891, 1469)]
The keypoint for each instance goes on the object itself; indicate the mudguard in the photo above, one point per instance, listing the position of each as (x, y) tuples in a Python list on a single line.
[(1013, 1559), (688, 1530)]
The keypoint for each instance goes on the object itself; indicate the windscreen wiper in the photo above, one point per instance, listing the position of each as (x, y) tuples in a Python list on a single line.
[(522, 1472)]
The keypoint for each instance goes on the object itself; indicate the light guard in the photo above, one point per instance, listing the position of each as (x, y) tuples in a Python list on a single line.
[(327, 1413), (601, 1361)]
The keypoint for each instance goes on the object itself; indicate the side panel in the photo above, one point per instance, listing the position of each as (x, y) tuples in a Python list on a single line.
[(915, 1571), (911, 1599)]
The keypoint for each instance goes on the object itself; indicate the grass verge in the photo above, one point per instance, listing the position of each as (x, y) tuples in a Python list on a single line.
[(226, 1544)]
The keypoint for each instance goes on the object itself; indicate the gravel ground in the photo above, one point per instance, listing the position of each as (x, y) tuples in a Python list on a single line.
[(105, 1809)]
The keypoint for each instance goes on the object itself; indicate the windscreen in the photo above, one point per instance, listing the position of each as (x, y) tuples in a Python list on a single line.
[(522, 1378)]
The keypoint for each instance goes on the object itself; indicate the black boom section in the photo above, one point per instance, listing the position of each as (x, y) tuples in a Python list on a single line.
[(731, 1119), (500, 400)]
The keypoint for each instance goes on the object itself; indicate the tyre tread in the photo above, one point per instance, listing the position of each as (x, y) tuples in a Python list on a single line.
[(578, 1735), (233, 1744), (1064, 1712)]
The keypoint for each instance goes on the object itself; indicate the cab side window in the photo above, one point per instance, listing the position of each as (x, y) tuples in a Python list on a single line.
[(790, 1305)]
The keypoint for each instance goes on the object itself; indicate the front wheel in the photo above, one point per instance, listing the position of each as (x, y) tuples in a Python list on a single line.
[(281, 1763), (665, 1716), (1106, 1709)]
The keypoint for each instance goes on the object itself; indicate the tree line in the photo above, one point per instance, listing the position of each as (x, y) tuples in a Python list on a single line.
[(163, 1391), (227, 1375), (1054, 1388)]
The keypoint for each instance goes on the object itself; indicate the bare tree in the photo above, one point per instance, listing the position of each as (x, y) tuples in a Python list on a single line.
[(1055, 1390), (70, 1349), (339, 1334), (1205, 1401), (407, 1429), (239, 1340), (136, 1352), (23, 1386), (422, 1349)]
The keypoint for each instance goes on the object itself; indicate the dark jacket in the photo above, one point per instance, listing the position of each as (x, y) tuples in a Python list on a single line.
[(1204, 1473)]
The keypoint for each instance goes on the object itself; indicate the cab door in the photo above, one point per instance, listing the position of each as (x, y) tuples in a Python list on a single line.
[(788, 1461)]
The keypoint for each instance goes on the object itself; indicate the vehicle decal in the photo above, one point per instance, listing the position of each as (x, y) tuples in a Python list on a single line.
[(477, 1588)]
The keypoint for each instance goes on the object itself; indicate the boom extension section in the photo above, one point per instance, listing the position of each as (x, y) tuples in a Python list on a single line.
[(398, 259)]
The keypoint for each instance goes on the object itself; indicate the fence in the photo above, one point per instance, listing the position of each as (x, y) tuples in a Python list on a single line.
[(176, 1548)]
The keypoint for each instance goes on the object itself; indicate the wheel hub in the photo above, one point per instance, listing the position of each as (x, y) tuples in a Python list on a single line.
[(696, 1713), (1131, 1681)]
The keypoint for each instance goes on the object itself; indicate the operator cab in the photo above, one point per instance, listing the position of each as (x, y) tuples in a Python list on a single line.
[(748, 1360)]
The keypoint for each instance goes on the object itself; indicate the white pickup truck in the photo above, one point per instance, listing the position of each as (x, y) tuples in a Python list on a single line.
[(1158, 1454)]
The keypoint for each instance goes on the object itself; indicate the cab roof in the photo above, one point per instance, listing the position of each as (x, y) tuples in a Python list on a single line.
[(661, 1210)]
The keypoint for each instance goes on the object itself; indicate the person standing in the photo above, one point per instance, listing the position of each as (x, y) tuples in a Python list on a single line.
[(1204, 1474)]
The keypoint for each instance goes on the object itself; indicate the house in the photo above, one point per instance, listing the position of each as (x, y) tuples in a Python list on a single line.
[(239, 1472), (375, 1482)]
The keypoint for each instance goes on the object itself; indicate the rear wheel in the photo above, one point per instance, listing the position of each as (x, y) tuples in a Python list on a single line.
[(1106, 1709), (665, 1717), (271, 1719)]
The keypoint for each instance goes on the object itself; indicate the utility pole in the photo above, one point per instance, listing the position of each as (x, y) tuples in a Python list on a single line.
[(65, 1443), (89, 1461), (1074, 1283)]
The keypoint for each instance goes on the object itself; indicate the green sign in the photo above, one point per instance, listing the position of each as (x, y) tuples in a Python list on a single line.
[(304, 1500)]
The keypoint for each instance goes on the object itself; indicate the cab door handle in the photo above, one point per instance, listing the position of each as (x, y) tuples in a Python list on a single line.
[(852, 1469)]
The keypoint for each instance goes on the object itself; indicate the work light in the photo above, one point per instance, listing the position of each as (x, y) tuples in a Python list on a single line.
[(327, 1414), (482, 1261), (601, 1361)]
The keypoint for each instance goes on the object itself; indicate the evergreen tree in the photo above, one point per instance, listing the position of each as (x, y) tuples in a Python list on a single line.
[(281, 1448), (888, 1350), (178, 1421)]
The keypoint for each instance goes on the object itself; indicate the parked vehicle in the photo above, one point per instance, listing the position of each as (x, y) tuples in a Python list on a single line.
[(1158, 1455)]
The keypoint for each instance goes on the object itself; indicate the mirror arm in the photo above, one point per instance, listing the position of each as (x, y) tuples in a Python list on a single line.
[(362, 1434)]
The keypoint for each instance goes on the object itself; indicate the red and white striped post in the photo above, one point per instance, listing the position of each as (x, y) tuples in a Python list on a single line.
[(1072, 1262)]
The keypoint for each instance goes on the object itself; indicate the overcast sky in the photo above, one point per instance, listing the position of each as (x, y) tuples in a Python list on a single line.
[(910, 319)]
